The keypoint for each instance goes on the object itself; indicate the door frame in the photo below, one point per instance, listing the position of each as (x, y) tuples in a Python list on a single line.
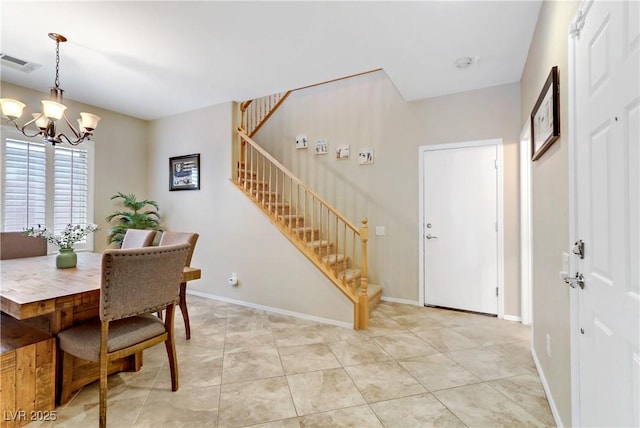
[(574, 303), (499, 208), (526, 263)]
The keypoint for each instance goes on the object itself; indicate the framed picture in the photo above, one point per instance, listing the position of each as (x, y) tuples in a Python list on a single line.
[(321, 147), (365, 156), (301, 142), (545, 117), (184, 172), (342, 152)]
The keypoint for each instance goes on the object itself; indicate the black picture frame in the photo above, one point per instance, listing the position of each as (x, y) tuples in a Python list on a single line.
[(184, 172), (545, 116)]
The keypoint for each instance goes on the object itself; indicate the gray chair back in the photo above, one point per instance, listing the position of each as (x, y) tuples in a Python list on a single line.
[(16, 245), (140, 280), (169, 238), (135, 238)]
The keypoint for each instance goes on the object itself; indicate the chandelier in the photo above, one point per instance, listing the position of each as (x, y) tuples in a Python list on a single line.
[(52, 111)]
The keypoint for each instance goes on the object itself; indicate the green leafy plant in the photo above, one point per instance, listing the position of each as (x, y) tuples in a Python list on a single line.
[(135, 218)]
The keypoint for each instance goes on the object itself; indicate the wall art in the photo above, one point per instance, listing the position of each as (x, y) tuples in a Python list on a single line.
[(321, 148), (545, 117), (301, 142), (365, 156), (184, 172), (342, 152)]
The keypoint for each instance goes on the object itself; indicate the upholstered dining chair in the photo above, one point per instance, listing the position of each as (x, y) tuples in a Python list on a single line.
[(136, 238), (169, 238), (16, 245), (135, 283)]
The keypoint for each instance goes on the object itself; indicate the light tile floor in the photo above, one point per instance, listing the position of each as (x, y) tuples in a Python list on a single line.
[(414, 367)]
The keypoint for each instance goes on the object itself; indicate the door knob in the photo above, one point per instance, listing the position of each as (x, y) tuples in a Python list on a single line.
[(578, 279), (430, 236)]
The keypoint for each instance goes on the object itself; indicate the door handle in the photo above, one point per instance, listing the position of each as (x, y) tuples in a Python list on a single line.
[(578, 279), (430, 236)]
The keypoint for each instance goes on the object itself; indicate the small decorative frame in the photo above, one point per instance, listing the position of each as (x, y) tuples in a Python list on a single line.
[(184, 172), (365, 156), (321, 147), (545, 117), (342, 152), (301, 142)]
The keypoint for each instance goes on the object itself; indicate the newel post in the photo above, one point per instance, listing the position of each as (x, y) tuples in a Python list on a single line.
[(243, 127), (363, 298)]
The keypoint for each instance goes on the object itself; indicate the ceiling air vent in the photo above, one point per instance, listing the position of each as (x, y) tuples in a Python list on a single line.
[(18, 64)]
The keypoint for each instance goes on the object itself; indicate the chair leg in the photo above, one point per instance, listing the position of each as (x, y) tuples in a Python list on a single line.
[(104, 363), (170, 344), (183, 309)]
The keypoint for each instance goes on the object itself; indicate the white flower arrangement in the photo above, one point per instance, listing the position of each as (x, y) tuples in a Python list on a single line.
[(69, 236)]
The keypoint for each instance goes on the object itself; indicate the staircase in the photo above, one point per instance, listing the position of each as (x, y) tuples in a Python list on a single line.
[(332, 243)]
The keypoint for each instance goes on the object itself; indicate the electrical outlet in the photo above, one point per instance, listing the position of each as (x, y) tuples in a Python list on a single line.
[(233, 279), (548, 345)]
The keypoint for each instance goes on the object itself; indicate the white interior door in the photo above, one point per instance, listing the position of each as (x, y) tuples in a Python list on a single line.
[(607, 160), (460, 228)]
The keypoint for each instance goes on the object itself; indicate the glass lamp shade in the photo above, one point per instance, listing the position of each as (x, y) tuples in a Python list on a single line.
[(89, 121), (41, 120), (53, 110), (11, 108)]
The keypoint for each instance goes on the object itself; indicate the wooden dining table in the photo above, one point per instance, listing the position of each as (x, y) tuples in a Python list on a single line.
[(51, 299)]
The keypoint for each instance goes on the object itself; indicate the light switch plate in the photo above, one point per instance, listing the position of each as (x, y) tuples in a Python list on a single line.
[(379, 230), (564, 272)]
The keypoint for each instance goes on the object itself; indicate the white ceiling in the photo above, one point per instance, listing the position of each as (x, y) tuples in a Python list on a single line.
[(153, 59)]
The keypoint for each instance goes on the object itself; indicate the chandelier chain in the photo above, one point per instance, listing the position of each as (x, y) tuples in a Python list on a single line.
[(57, 82)]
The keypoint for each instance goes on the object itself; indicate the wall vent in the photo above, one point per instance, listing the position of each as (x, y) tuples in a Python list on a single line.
[(17, 63)]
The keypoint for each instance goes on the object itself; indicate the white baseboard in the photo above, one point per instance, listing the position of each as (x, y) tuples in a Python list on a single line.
[(271, 309), (403, 301), (512, 318), (547, 391)]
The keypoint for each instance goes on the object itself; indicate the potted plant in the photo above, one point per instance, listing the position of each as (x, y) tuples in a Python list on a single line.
[(135, 218), (67, 258)]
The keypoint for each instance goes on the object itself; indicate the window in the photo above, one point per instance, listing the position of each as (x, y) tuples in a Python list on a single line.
[(45, 185)]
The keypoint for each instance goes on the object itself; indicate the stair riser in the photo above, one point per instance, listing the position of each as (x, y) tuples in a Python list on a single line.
[(323, 251), (340, 266), (310, 235), (279, 209), (296, 222), (252, 185), (246, 174), (265, 197)]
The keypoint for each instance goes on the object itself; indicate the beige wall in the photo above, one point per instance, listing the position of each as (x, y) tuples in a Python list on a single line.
[(120, 153), (550, 214), (234, 235), (367, 111)]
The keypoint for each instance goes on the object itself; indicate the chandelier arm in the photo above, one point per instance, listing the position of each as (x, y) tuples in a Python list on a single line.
[(73, 129), (23, 128), (68, 141)]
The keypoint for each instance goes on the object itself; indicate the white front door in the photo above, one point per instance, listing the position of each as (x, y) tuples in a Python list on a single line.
[(607, 191), (460, 238)]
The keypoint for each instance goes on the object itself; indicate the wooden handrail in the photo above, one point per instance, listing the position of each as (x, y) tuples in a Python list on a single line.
[(264, 108), (275, 162), (329, 240)]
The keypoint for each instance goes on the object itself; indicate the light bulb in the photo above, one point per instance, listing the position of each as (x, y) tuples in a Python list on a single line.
[(11, 108), (53, 110), (41, 120), (89, 121)]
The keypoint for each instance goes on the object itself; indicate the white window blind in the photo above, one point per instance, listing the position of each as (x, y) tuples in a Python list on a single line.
[(24, 199), (71, 187), (45, 185)]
